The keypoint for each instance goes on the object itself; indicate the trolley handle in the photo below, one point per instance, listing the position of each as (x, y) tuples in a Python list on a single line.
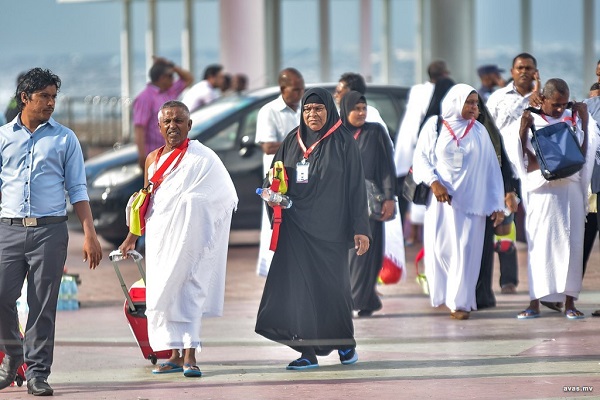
[(116, 255)]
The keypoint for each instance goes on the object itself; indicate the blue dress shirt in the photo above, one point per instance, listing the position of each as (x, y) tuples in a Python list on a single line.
[(36, 169)]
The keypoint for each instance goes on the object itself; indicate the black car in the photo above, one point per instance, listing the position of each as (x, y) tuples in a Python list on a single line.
[(228, 127)]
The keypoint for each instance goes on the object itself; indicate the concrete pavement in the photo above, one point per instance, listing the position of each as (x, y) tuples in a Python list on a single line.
[(409, 350)]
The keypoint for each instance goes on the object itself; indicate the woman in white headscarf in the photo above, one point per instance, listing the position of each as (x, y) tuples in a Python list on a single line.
[(462, 169)]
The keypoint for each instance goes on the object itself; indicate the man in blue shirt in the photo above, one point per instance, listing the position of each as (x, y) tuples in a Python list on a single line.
[(39, 160)]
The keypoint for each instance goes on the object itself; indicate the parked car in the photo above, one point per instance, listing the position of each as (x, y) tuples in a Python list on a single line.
[(228, 127)]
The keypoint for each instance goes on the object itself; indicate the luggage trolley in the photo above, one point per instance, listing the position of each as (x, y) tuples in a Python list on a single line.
[(135, 306)]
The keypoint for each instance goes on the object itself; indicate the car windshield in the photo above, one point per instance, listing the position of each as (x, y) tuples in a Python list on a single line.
[(217, 110)]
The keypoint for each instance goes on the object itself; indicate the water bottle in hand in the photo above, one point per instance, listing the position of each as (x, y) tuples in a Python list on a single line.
[(274, 197)]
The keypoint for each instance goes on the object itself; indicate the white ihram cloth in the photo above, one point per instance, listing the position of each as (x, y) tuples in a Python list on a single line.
[(274, 121), (555, 216), (406, 139), (453, 234), (187, 234)]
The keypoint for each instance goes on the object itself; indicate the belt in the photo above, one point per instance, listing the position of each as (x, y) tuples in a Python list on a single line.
[(33, 221)]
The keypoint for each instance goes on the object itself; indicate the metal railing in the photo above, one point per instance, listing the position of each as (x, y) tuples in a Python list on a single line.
[(96, 120)]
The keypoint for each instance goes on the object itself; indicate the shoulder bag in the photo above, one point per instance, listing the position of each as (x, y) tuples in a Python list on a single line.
[(418, 193)]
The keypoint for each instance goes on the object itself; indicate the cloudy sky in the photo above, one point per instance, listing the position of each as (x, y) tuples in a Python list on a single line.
[(45, 28)]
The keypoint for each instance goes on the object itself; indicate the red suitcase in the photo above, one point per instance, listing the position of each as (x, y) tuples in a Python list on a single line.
[(20, 378), (135, 307)]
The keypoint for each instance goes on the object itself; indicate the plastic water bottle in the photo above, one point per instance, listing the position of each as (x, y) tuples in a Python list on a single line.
[(61, 305), (74, 292), (68, 293), (270, 196), (507, 211), (22, 306)]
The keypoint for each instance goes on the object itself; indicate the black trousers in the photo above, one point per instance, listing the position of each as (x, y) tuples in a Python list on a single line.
[(402, 202), (592, 225), (508, 269)]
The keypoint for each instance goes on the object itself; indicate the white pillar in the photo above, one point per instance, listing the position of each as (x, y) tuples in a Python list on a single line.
[(453, 38), (187, 37), (366, 42), (526, 31), (151, 30), (325, 41), (242, 28), (272, 41), (589, 59), (126, 70), (421, 37), (386, 42)]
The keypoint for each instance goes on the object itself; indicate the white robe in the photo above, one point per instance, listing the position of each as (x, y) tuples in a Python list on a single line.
[(187, 235), (453, 234), (555, 217)]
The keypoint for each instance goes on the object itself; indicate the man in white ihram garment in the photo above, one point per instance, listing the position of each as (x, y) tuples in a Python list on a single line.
[(274, 121), (461, 167), (555, 210), (187, 235), (419, 98)]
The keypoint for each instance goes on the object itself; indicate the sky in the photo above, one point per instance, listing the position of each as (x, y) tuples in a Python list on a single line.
[(46, 32)]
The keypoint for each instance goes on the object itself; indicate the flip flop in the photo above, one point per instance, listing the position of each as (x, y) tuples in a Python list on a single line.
[(191, 371), (172, 368), (300, 364), (574, 314), (528, 314)]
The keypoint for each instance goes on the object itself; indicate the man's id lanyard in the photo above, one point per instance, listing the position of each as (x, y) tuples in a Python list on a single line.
[(459, 152), (302, 166)]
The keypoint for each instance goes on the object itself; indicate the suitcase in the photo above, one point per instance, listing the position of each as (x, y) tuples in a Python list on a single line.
[(20, 378), (135, 307)]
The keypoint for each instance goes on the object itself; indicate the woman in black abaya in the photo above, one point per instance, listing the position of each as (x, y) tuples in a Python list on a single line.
[(378, 164), (306, 303)]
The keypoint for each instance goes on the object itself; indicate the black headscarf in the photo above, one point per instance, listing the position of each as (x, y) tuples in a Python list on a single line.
[(307, 134), (349, 101)]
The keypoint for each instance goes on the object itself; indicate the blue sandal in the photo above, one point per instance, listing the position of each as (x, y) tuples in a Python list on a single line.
[(191, 371), (167, 368), (573, 313), (301, 363), (528, 314)]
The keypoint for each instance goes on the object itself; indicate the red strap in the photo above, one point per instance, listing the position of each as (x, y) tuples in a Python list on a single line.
[(157, 178), (458, 139), (308, 151), (276, 223)]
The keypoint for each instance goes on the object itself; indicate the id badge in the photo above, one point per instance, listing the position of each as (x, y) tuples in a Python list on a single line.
[(457, 160), (302, 171)]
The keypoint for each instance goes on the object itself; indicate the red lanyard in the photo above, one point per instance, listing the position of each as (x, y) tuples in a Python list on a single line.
[(447, 125), (357, 133), (311, 148), (158, 176)]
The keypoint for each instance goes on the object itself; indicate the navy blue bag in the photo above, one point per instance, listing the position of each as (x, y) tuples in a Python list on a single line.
[(557, 151)]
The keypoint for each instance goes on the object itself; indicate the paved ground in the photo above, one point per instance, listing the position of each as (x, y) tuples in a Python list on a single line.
[(407, 351)]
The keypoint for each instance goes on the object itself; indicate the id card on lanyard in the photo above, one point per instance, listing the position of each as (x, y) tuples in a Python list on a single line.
[(302, 166), (302, 171), (459, 152)]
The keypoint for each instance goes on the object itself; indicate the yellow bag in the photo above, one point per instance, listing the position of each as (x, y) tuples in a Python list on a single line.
[(278, 178), (137, 218)]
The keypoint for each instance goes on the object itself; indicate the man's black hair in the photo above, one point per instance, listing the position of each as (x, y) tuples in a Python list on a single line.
[(525, 55), (34, 80), (437, 70), (354, 82), (158, 69), (212, 70)]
